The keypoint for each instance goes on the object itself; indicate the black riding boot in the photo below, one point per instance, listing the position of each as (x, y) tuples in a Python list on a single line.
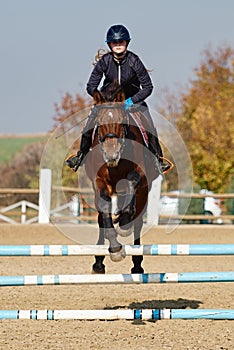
[(155, 148), (154, 145), (74, 162)]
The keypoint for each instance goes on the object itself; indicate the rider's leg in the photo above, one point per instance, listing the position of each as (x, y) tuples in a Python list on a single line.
[(154, 145), (85, 143)]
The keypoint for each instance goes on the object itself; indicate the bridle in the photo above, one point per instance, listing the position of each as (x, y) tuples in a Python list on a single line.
[(124, 125)]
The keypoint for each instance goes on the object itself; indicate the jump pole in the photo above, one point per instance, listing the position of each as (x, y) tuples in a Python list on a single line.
[(138, 314), (87, 250), (183, 277)]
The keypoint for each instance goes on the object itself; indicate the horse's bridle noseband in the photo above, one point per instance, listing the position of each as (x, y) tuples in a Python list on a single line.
[(108, 135)]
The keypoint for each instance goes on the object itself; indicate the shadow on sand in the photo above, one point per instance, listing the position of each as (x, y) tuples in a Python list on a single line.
[(179, 303)]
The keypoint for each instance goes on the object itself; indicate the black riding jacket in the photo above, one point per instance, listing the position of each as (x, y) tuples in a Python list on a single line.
[(130, 72)]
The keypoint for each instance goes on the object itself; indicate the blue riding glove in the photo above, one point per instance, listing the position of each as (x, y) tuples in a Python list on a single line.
[(128, 103)]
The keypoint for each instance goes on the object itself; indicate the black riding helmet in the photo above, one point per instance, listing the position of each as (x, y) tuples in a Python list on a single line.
[(117, 32)]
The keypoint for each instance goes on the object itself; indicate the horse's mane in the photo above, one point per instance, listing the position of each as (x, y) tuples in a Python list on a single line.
[(113, 92)]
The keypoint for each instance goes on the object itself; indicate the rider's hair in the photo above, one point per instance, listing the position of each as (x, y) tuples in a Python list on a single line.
[(99, 54)]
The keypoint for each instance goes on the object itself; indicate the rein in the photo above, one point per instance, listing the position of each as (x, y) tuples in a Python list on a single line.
[(111, 106)]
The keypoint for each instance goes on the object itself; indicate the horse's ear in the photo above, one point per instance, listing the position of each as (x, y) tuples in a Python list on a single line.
[(120, 96), (98, 98)]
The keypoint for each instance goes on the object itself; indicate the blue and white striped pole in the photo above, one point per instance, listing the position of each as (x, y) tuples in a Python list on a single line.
[(182, 277), (87, 250), (138, 314)]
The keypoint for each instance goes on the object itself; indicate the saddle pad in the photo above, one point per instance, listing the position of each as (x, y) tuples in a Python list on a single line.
[(94, 132), (137, 119)]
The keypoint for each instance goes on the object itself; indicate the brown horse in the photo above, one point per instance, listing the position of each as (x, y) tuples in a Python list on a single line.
[(118, 164)]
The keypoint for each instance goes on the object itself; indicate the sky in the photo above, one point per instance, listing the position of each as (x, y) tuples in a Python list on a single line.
[(47, 48)]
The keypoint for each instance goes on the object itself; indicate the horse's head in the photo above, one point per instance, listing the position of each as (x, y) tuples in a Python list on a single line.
[(111, 121)]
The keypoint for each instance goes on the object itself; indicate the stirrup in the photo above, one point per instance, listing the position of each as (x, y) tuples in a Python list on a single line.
[(74, 160), (170, 165)]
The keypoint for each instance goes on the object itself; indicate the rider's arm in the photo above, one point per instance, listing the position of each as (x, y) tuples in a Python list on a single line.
[(95, 78), (145, 82)]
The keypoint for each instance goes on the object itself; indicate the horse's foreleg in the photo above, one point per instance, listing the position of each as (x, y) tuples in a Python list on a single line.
[(105, 208), (128, 209), (98, 266), (115, 248), (137, 259)]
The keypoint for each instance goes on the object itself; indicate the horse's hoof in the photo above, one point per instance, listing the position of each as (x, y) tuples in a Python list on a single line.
[(138, 269), (98, 269), (118, 256), (124, 231)]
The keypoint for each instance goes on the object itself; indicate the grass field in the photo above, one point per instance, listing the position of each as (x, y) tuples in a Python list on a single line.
[(10, 145)]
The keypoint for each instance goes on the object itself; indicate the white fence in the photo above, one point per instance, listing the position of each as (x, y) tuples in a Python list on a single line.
[(42, 212)]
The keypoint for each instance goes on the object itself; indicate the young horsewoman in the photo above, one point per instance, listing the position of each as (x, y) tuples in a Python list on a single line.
[(123, 66)]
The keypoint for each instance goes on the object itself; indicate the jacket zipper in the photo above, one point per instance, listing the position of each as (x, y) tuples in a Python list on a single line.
[(119, 74)]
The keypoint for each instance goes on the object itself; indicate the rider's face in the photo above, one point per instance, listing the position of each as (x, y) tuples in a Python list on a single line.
[(118, 46)]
